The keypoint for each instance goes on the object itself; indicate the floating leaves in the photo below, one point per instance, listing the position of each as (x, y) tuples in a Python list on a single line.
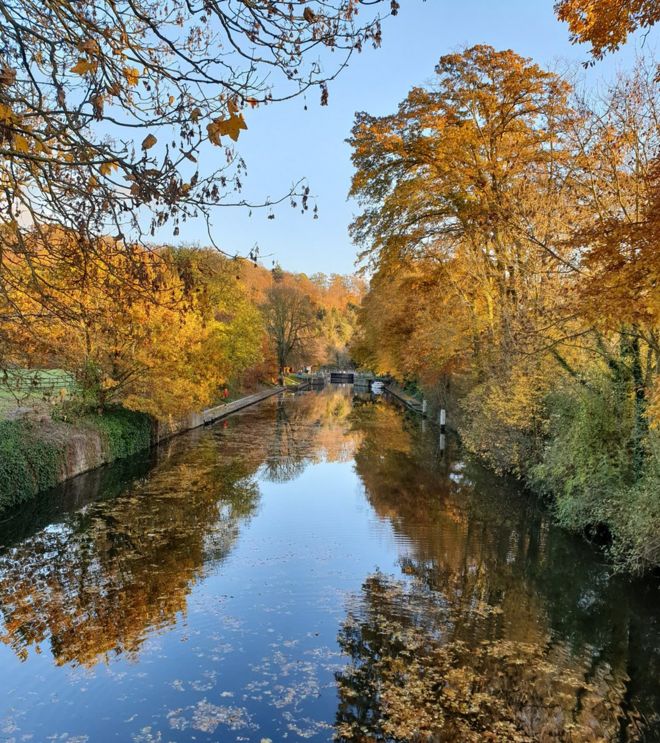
[(207, 717), (415, 676)]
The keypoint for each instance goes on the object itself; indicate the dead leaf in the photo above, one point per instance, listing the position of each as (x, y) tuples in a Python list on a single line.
[(83, 66), (7, 76), (230, 127)]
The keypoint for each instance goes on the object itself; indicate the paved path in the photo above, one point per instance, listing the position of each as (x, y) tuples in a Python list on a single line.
[(221, 411)]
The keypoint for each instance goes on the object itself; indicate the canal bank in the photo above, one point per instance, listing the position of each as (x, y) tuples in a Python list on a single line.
[(412, 403), (38, 453)]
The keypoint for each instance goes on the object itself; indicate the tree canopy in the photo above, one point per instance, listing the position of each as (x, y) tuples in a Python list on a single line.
[(104, 108), (606, 24)]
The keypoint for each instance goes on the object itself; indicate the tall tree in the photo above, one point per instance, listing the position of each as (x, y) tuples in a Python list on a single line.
[(471, 180), (291, 321)]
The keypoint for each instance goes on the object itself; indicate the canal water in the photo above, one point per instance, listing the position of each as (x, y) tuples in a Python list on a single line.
[(318, 567)]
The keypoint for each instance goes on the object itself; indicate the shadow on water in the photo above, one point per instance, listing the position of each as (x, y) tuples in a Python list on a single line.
[(481, 621)]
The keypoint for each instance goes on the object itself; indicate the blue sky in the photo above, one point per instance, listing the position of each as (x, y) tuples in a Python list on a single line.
[(284, 142)]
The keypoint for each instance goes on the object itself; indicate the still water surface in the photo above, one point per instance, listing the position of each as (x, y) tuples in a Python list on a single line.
[(315, 568)]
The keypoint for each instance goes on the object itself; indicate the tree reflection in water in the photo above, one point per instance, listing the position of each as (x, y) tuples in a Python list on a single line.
[(496, 626), (97, 582), (487, 634), (316, 429), (416, 675), (287, 452)]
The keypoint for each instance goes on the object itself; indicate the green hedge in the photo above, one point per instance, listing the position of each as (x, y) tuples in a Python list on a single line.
[(126, 432), (588, 470), (28, 464)]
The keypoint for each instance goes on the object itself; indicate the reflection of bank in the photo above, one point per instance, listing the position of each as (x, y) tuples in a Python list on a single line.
[(415, 674), (97, 583)]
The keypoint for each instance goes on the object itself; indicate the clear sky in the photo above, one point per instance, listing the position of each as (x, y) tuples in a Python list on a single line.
[(284, 142)]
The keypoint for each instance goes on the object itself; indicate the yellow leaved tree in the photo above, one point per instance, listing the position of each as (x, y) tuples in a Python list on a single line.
[(141, 329)]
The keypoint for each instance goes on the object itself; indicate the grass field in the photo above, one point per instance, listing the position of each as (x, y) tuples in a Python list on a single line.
[(32, 388)]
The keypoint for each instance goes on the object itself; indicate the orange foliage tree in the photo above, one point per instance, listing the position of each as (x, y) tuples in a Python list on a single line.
[(605, 24), (143, 330)]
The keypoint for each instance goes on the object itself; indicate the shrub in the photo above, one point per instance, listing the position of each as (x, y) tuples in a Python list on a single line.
[(503, 419), (126, 432), (636, 517), (586, 459), (28, 463), (588, 468), (32, 455)]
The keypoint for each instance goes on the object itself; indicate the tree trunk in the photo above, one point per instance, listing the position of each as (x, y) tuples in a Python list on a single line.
[(641, 425)]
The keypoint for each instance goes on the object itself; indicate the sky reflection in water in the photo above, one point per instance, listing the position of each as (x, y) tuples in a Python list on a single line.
[(315, 568)]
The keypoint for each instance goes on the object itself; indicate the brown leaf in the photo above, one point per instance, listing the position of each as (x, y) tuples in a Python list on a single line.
[(89, 46), (148, 142), (83, 66), (97, 106), (7, 76)]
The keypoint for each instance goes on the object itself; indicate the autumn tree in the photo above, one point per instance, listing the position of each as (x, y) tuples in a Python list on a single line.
[(166, 353), (617, 236), (606, 24), (337, 298), (625, 238), (291, 320), (469, 179), (105, 108)]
